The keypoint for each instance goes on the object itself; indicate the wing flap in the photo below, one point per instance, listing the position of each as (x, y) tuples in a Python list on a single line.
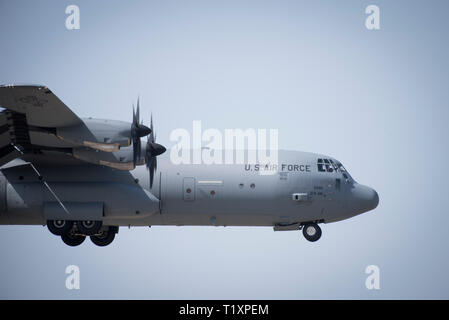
[(7, 150), (5, 139)]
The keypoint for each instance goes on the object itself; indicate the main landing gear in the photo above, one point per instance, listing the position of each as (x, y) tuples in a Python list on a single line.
[(73, 233), (72, 239), (311, 231), (104, 237)]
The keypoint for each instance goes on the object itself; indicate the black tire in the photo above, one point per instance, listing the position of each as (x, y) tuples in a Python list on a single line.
[(311, 231), (105, 237), (59, 227), (89, 227), (72, 239)]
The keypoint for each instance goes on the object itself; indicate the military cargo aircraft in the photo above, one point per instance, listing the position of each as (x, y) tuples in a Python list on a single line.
[(84, 177)]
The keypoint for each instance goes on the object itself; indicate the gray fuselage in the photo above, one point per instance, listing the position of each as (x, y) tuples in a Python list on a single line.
[(302, 187)]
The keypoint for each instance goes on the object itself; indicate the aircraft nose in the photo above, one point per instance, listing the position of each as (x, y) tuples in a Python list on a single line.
[(363, 198)]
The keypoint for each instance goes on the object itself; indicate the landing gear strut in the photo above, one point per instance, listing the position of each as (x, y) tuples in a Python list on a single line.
[(311, 231)]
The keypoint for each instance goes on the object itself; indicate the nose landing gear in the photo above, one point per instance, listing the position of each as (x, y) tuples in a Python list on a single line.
[(311, 231)]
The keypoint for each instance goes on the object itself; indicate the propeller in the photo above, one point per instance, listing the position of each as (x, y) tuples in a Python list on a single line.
[(152, 150), (138, 130)]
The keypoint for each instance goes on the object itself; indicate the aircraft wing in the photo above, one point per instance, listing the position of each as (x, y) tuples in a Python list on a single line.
[(39, 105), (28, 106), (37, 126)]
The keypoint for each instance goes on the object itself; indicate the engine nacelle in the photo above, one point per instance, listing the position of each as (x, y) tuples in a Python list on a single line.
[(99, 134)]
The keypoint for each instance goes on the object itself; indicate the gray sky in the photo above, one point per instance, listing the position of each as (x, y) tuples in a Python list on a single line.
[(375, 100)]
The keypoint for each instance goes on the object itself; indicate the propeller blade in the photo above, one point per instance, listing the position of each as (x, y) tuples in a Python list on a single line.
[(136, 151), (134, 115), (152, 138), (138, 130), (153, 150), (137, 112), (152, 170)]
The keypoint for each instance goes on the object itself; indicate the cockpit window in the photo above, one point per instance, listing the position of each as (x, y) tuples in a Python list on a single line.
[(329, 165), (345, 173), (335, 166), (320, 164), (325, 165)]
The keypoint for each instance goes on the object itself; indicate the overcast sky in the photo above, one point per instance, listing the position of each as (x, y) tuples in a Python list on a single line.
[(377, 100)]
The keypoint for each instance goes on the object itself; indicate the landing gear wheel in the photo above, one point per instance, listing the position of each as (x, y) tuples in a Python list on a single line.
[(72, 239), (59, 227), (89, 227), (104, 237), (311, 231)]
